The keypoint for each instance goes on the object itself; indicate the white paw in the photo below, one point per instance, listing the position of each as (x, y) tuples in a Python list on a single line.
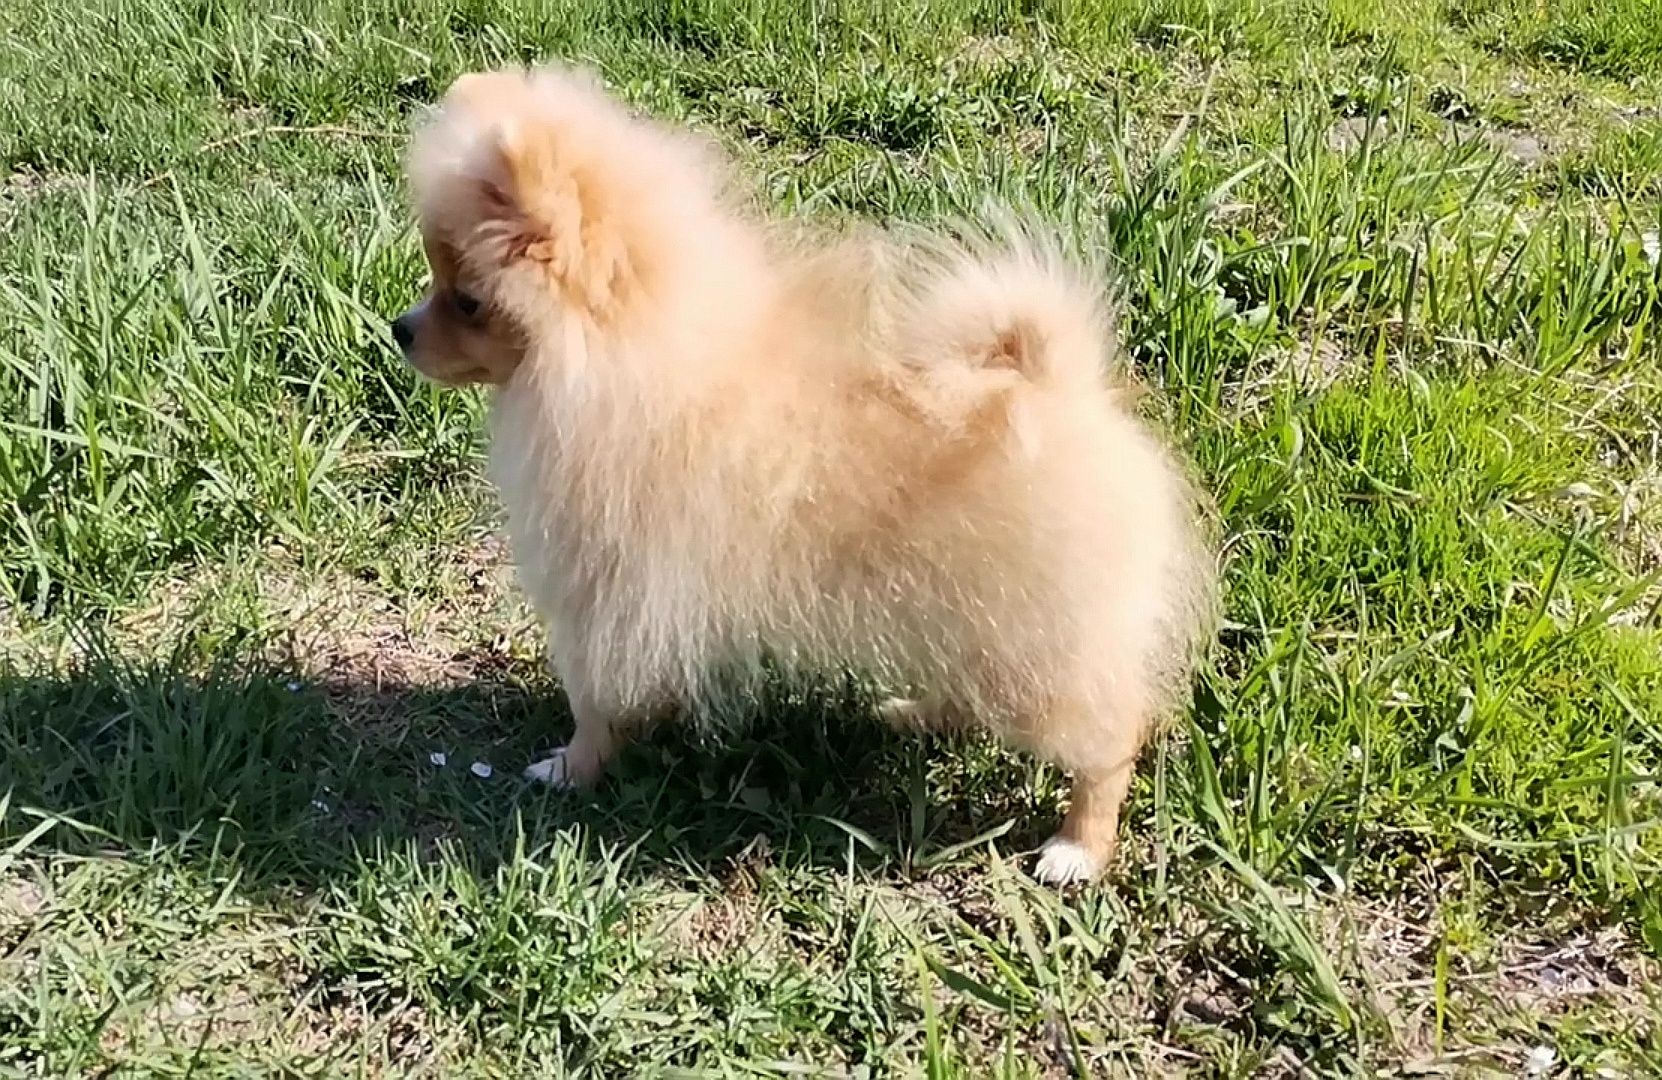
[(900, 712), (552, 770), (1064, 862)]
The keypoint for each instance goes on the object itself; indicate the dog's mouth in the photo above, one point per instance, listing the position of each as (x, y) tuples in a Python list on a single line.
[(450, 377), (460, 377)]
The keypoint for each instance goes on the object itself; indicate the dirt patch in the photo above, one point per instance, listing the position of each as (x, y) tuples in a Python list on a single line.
[(1498, 1002), (990, 49), (1178, 984), (406, 1034), (1348, 134), (21, 188), (1314, 362), (715, 928), (1527, 148), (21, 903), (712, 928), (1318, 364), (30, 184), (225, 1017), (237, 1020), (335, 628), (1520, 146)]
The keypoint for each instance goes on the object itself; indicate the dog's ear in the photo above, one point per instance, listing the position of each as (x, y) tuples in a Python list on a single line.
[(548, 196), (476, 90)]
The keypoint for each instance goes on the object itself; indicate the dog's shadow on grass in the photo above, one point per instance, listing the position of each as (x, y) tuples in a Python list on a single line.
[(305, 779)]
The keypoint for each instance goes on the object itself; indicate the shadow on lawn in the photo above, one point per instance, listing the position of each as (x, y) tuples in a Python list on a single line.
[(304, 778)]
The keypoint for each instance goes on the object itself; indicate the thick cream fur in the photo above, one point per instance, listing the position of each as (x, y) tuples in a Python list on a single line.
[(903, 456)]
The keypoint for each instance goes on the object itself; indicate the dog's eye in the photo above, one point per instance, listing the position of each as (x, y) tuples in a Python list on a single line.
[(467, 305)]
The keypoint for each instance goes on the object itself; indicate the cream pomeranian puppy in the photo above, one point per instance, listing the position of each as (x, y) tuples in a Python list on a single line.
[(722, 453)]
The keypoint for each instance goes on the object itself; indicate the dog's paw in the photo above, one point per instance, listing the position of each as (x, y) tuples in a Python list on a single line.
[(929, 714), (558, 770), (902, 712), (1066, 862)]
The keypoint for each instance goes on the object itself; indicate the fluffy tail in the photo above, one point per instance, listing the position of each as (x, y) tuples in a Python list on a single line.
[(1009, 304)]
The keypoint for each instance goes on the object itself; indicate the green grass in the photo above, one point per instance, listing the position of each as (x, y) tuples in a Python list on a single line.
[(1392, 269)]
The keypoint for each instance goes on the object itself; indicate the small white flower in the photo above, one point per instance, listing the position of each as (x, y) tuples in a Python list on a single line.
[(320, 806), (481, 769), (293, 686), (439, 758), (1539, 1061)]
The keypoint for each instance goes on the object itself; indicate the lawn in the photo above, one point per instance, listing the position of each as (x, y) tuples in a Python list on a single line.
[(1390, 271)]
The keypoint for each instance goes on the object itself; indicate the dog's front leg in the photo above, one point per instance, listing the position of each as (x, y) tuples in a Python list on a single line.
[(579, 762)]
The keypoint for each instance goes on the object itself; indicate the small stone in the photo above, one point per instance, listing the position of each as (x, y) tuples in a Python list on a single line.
[(1212, 1008), (481, 769), (1651, 245), (1539, 1061), (1518, 145), (21, 900), (1578, 491), (1350, 132)]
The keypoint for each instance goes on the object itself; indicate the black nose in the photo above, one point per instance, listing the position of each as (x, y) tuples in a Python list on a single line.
[(403, 332)]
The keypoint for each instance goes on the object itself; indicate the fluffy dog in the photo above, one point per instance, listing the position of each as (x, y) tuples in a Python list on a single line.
[(721, 451)]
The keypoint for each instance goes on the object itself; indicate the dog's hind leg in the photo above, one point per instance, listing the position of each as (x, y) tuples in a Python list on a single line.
[(1084, 845)]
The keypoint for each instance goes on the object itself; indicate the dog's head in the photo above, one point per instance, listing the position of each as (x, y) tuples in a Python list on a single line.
[(539, 199), (456, 335)]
